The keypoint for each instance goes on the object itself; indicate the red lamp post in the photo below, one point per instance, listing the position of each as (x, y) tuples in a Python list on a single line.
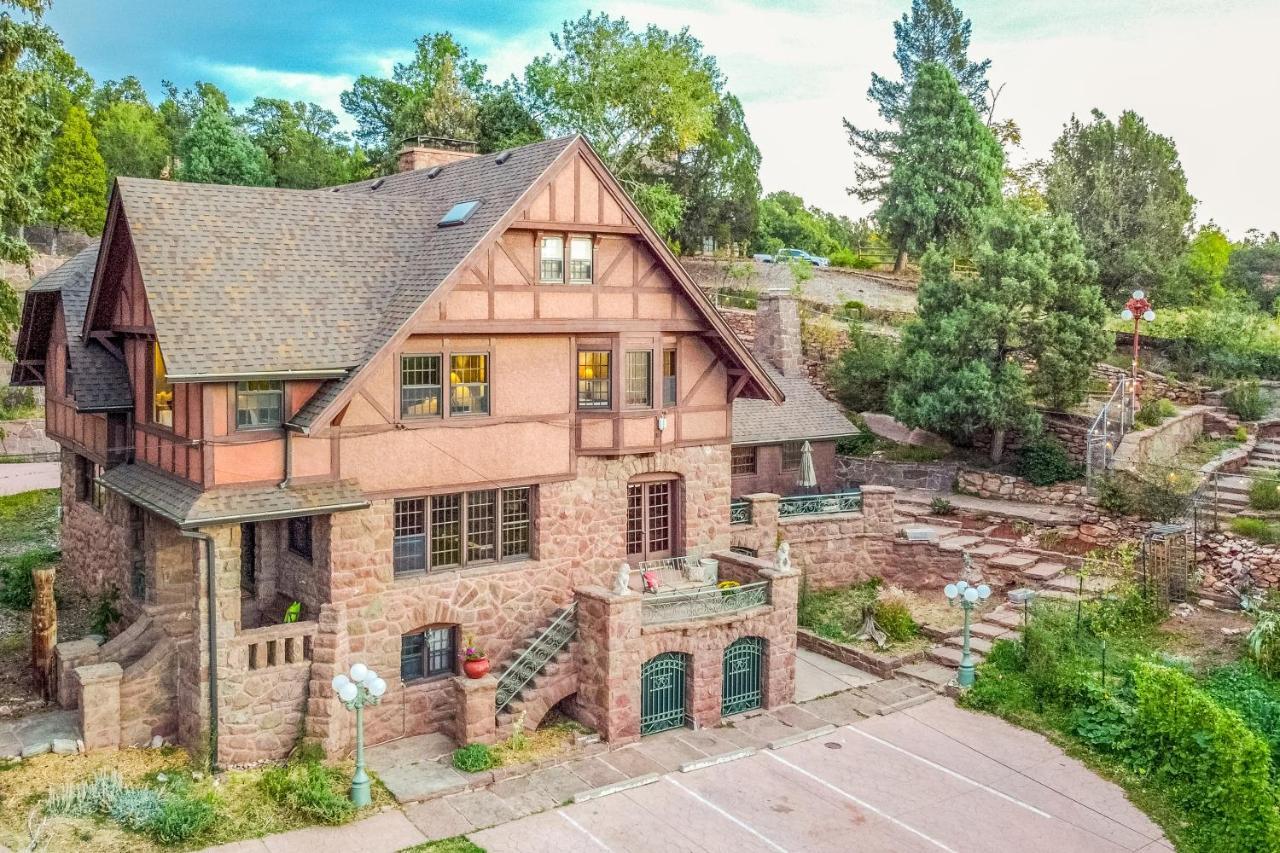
[(1137, 308)]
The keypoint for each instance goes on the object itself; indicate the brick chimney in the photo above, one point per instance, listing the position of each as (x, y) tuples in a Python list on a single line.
[(777, 338), (423, 152)]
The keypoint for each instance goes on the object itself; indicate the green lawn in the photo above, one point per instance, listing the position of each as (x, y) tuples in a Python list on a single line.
[(28, 519), (457, 844)]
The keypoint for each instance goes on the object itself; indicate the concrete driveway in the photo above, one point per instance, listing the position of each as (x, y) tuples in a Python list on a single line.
[(930, 778), (18, 477)]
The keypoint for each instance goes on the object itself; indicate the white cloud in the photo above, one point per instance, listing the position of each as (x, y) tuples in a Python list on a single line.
[(322, 89)]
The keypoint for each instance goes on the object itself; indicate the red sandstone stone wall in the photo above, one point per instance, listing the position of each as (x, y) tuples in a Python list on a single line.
[(95, 545)]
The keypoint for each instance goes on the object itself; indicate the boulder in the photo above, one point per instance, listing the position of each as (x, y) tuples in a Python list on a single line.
[(886, 426)]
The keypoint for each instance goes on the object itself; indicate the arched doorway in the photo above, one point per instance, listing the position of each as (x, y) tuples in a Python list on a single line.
[(662, 693), (742, 665)]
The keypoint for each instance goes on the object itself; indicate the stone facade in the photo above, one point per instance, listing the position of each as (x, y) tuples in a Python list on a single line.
[(777, 337), (988, 484), (1158, 445), (829, 549), (27, 438), (855, 471), (95, 544)]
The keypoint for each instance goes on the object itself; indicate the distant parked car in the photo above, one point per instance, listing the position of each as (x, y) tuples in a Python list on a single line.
[(786, 255)]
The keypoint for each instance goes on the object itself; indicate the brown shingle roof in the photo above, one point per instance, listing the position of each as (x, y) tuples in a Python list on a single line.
[(805, 414)]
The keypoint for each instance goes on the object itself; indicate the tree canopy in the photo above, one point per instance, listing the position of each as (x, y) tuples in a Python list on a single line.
[(1254, 269), (935, 31), (303, 144), (74, 192), (131, 139), (947, 168), (1033, 299), (215, 151), (1123, 186)]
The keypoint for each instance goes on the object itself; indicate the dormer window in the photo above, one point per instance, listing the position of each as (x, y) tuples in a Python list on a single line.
[(259, 404), (161, 389)]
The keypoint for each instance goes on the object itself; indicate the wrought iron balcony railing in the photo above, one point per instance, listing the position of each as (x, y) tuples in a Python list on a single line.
[(740, 512), (703, 603), (820, 504)]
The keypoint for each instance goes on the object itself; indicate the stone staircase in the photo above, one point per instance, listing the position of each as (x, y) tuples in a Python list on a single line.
[(1230, 494), (539, 674)]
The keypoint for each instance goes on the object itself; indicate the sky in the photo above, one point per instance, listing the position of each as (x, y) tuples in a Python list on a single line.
[(1202, 71)]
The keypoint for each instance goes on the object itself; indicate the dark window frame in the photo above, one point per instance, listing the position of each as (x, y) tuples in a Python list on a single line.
[(592, 404), (155, 358), (738, 467), (300, 534), (792, 452), (88, 489), (242, 392), (443, 532), (671, 380), (434, 659)]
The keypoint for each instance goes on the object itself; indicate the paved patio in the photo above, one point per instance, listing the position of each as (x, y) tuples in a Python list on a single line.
[(18, 477), (41, 732)]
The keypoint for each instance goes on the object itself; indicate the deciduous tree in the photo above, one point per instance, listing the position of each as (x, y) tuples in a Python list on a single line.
[(74, 183), (1198, 278), (1254, 269), (303, 144), (1123, 186), (131, 139), (1033, 301)]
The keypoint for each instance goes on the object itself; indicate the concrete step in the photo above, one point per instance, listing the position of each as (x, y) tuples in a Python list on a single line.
[(1043, 571), (976, 644), (988, 630), (950, 656), (958, 542), (1007, 618), (1016, 560), (929, 674), (1094, 584)]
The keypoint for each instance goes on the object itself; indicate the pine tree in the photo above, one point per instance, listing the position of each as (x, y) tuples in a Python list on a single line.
[(1034, 299), (935, 31), (75, 180), (947, 169), (215, 151)]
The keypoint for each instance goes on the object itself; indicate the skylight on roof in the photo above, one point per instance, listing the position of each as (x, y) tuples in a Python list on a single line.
[(459, 213)]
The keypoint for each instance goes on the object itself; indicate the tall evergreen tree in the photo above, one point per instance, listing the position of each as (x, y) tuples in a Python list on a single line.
[(1033, 299), (935, 31), (74, 192), (947, 168), (1124, 188), (215, 151)]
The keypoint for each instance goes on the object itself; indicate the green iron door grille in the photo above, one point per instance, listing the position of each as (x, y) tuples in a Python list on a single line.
[(741, 676), (662, 699)]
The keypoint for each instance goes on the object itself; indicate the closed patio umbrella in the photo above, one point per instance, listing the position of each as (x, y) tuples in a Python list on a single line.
[(808, 474)]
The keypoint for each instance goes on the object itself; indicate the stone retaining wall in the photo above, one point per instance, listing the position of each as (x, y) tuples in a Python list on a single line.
[(881, 664), (1158, 445), (854, 471), (26, 438), (988, 484), (1154, 385)]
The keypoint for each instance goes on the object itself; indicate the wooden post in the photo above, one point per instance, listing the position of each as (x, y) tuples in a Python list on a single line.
[(44, 631)]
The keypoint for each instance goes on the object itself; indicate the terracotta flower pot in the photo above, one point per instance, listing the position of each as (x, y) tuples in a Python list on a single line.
[(476, 668)]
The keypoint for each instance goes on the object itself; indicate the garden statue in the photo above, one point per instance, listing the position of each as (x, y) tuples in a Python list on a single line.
[(784, 556), (970, 573), (622, 584)]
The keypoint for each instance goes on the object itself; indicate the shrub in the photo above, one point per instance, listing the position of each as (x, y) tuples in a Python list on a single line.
[(894, 618), (864, 371), (1259, 530), (309, 788), (86, 799), (740, 271), (1044, 461), (105, 613), (1114, 495), (941, 506), (16, 402), (16, 584), (1241, 435), (1264, 493), (1263, 640), (1256, 699), (852, 310), (1154, 412), (1245, 401), (1162, 497), (474, 758), (851, 260), (1206, 759), (801, 271), (182, 815), (136, 808), (861, 443)]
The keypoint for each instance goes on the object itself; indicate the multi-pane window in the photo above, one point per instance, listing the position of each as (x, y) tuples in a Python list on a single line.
[(650, 519), (448, 531), (429, 653), (259, 404), (791, 451), (639, 376), (668, 377), (552, 259), (419, 386), (468, 384), (161, 389), (594, 380), (742, 461), (89, 490), (580, 253), (300, 536)]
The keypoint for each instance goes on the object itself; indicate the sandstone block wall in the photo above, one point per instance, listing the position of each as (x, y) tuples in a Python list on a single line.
[(95, 543), (988, 484), (854, 471), (1158, 445)]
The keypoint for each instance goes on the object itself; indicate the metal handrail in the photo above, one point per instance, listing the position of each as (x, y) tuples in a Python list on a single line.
[(740, 512), (850, 501), (531, 661), (702, 603)]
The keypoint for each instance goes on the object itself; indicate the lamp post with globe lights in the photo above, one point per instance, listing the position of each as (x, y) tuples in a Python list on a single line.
[(1137, 308), (356, 689), (967, 597)]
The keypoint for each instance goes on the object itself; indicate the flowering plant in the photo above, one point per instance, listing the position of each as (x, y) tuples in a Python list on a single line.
[(472, 651)]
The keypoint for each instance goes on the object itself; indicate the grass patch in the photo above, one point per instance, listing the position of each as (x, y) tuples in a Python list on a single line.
[(1259, 530), (1264, 493), (1204, 450), (27, 519), (457, 844), (839, 614)]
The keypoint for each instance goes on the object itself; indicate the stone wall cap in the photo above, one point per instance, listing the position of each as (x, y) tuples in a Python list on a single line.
[(878, 490), (599, 593), (761, 497), (474, 685), (756, 563), (110, 671), (75, 648)]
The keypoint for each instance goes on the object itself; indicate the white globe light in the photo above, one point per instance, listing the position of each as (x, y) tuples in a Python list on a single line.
[(1148, 315), (1126, 314), (962, 585), (984, 591), (950, 590), (358, 672), (378, 687), (369, 677), (971, 595), (1139, 294), (348, 692), (339, 681)]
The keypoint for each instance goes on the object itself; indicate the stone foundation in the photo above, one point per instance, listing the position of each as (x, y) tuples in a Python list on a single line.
[(854, 471)]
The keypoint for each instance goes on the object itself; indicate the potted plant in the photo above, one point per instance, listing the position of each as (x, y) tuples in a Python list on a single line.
[(475, 662)]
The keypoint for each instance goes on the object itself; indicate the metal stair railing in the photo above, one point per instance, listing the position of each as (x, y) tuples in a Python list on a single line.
[(532, 660)]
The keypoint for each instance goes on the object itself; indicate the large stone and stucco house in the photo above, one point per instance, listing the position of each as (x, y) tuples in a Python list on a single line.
[(443, 404)]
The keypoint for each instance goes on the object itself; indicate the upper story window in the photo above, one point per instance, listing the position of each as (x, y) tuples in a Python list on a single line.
[(791, 452), (68, 375), (469, 384), (639, 376), (88, 489), (668, 377), (161, 389), (594, 379), (463, 529), (420, 387), (551, 259), (259, 404), (581, 251)]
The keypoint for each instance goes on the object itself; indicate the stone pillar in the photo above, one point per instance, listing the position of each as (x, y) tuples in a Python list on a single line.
[(877, 510), (67, 658), (764, 524), (777, 338), (327, 720), (780, 664), (100, 705), (475, 714), (609, 654), (704, 686)]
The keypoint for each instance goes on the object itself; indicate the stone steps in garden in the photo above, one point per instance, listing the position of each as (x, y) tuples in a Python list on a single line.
[(929, 674), (1016, 560), (1095, 584), (988, 630), (958, 542), (1044, 570), (949, 656), (1009, 619), (976, 644), (989, 550)]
